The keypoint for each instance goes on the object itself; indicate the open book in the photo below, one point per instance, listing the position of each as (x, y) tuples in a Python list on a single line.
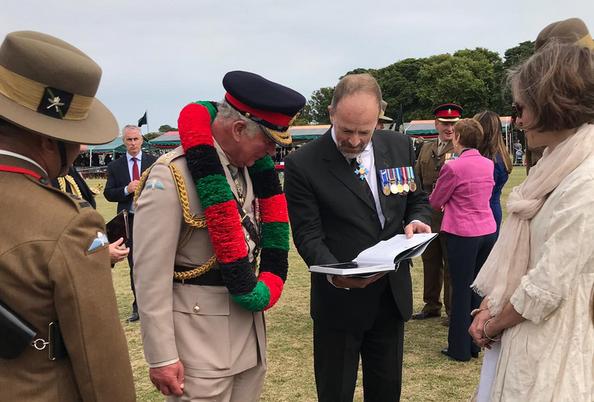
[(384, 256)]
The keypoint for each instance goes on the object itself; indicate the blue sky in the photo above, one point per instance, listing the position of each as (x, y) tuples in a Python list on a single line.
[(161, 55)]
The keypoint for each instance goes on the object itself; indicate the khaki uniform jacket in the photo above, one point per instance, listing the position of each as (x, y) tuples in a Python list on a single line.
[(427, 170), (47, 273), (200, 325)]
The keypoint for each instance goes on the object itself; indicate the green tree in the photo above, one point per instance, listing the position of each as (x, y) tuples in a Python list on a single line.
[(316, 110), (513, 57), (398, 82), (152, 135), (304, 117), (474, 78), (166, 127), (517, 54), (459, 79)]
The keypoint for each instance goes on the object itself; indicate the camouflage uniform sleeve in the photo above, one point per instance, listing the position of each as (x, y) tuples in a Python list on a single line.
[(87, 311), (157, 225)]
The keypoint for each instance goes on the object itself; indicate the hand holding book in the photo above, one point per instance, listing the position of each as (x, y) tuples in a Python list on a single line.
[(384, 256)]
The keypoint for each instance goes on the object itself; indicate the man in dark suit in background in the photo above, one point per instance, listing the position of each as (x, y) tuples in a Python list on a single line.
[(337, 207), (123, 176)]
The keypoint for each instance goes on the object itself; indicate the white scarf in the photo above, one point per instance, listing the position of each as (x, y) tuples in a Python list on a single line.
[(501, 274)]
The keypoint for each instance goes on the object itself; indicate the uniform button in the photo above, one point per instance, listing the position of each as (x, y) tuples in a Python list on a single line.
[(247, 237), (196, 308)]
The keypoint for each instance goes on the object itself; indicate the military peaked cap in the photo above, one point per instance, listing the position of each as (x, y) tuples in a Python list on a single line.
[(273, 106)]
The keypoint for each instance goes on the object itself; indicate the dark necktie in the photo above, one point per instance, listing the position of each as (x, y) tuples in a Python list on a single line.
[(135, 171), (363, 182)]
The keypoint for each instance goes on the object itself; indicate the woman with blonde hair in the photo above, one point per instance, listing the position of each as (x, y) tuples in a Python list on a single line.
[(539, 276), (493, 147)]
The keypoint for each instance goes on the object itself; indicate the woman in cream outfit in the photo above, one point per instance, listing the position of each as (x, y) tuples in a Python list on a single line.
[(538, 279)]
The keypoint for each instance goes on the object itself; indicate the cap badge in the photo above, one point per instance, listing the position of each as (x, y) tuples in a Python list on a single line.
[(449, 111), (55, 102)]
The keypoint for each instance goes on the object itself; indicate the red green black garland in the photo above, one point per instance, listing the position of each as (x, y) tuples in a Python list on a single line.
[(222, 217)]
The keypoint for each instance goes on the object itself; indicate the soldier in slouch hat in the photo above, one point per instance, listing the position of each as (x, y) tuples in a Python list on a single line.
[(54, 257)]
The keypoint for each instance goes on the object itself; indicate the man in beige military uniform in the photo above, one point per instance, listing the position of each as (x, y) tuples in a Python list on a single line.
[(54, 257), (200, 344), (431, 158)]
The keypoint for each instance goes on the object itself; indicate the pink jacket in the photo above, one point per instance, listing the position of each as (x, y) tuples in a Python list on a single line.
[(463, 189)]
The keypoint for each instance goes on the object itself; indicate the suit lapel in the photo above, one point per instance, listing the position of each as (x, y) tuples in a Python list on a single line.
[(125, 167), (342, 171)]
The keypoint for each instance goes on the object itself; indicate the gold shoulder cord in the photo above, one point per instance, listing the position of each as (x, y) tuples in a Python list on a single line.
[(189, 218), (73, 186), (193, 221)]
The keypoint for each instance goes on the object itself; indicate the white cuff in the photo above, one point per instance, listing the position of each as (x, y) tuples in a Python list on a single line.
[(329, 277)]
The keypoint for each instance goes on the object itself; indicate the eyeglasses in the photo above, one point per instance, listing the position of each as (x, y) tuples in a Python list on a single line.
[(517, 110)]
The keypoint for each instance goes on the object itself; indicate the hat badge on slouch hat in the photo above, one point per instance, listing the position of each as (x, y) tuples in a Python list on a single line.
[(48, 87), (448, 112), (273, 106)]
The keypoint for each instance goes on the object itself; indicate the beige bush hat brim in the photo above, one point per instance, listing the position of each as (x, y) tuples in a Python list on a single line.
[(382, 116), (100, 127), (48, 87), (385, 118)]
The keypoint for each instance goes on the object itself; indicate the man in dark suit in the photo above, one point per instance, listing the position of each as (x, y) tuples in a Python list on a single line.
[(123, 176), (337, 207)]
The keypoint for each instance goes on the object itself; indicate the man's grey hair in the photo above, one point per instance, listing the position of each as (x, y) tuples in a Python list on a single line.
[(227, 112), (130, 127)]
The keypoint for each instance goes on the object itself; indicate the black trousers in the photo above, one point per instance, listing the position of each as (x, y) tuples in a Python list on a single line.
[(337, 351), (466, 256), (129, 243)]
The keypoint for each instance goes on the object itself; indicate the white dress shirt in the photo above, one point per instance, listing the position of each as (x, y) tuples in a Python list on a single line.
[(368, 161)]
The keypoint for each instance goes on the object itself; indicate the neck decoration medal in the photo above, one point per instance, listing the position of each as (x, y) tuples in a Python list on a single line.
[(361, 170), (405, 186), (385, 182), (400, 189), (392, 177), (411, 175)]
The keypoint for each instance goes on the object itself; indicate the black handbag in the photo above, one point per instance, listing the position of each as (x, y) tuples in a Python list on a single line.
[(15, 333)]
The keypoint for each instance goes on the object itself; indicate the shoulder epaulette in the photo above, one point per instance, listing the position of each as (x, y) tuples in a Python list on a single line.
[(182, 193)]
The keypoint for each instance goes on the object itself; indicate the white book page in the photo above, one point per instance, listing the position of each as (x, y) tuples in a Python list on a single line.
[(360, 269), (386, 251)]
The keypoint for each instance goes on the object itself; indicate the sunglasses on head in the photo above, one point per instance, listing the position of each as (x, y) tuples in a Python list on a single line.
[(517, 110)]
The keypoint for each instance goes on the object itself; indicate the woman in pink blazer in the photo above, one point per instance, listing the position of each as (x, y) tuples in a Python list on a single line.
[(463, 190)]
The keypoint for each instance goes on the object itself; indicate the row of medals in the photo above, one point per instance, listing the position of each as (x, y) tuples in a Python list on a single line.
[(398, 180)]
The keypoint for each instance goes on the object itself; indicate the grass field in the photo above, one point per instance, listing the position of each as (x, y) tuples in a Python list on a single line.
[(428, 376)]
